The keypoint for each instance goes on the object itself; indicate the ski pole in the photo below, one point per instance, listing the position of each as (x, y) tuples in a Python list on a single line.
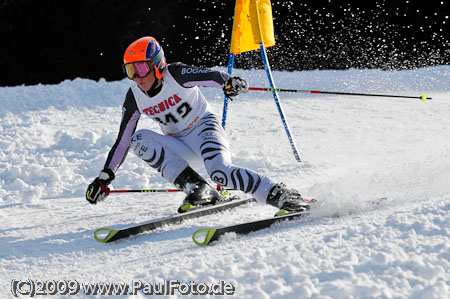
[(422, 97), (108, 191)]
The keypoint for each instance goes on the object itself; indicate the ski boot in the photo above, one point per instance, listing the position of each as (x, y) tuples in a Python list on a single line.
[(199, 192), (287, 200)]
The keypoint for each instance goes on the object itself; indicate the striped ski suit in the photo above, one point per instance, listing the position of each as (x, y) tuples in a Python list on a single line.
[(192, 134)]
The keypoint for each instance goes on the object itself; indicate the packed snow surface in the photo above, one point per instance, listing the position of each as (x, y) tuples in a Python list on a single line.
[(55, 138)]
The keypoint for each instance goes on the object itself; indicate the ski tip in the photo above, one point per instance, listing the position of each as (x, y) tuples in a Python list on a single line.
[(209, 234), (99, 234)]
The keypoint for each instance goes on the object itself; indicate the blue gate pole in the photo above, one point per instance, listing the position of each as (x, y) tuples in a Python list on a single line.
[(277, 101), (226, 99)]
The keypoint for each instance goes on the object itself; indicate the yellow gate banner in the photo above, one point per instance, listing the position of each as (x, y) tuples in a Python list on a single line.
[(252, 25)]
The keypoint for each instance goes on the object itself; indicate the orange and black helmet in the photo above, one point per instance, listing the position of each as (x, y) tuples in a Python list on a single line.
[(146, 49)]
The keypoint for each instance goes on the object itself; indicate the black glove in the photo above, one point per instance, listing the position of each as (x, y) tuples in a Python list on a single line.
[(98, 190), (235, 86)]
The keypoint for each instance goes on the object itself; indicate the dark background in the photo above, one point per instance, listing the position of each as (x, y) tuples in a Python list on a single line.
[(47, 41)]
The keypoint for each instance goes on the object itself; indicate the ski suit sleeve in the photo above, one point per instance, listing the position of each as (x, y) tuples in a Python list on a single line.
[(189, 76), (130, 118)]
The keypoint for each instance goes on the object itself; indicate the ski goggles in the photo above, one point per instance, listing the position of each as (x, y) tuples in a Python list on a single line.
[(137, 69)]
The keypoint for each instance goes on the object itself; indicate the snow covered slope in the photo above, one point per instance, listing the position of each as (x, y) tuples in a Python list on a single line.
[(55, 138)]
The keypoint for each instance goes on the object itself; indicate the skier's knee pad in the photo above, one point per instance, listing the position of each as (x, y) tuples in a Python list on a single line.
[(144, 144)]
